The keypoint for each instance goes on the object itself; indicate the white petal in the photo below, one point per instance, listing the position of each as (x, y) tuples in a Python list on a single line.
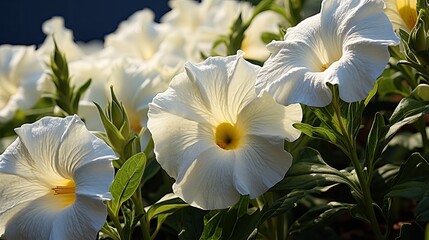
[(89, 113), (260, 164), (20, 73), (207, 183), (357, 21), (94, 179), (34, 220), (293, 72), (226, 84), (178, 141), (82, 220), (300, 86), (253, 45), (357, 71), (52, 144), (63, 38), (182, 99), (264, 117), (15, 194), (139, 36), (393, 14)]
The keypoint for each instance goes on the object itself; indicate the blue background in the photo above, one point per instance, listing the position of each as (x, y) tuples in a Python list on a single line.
[(21, 20)]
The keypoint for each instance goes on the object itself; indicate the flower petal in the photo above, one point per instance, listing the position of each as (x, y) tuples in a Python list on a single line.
[(226, 84), (207, 183), (300, 86), (20, 74), (260, 165), (356, 72), (182, 99), (178, 140), (265, 117), (82, 220), (51, 143), (356, 22), (94, 179), (34, 220), (15, 194)]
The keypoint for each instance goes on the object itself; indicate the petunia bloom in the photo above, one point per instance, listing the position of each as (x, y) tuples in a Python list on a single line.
[(54, 179), (402, 13), (216, 137), (345, 44), (21, 74)]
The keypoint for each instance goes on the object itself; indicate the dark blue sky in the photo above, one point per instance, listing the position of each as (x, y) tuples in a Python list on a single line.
[(21, 20)]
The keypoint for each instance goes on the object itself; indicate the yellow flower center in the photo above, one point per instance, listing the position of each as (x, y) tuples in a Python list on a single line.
[(407, 11), (324, 67), (228, 137), (65, 193)]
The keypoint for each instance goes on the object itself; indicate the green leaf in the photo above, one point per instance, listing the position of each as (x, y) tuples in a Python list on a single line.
[(190, 221), (110, 231), (322, 133), (321, 214), (421, 92), (411, 181), (127, 180), (408, 107), (235, 223), (283, 204), (115, 137), (422, 209), (376, 139), (309, 171), (262, 6), (416, 168), (165, 207), (152, 168), (129, 224), (268, 37), (410, 231), (392, 85), (411, 190), (212, 229)]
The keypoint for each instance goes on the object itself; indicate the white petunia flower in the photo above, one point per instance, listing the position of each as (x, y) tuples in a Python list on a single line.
[(216, 137), (252, 45), (204, 22), (54, 179), (21, 74), (99, 71), (135, 85), (345, 44), (402, 13), (63, 37), (139, 36)]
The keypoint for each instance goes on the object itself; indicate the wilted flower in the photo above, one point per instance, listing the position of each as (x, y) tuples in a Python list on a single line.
[(345, 44), (21, 73), (54, 179), (216, 137), (402, 13)]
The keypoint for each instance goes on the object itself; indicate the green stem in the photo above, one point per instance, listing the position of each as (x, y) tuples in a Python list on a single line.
[(115, 220), (281, 223), (367, 197), (421, 125), (144, 225), (351, 147)]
